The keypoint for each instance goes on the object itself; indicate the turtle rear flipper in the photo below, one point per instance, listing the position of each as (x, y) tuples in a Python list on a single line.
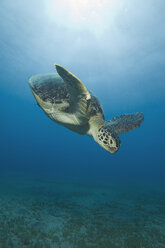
[(126, 122)]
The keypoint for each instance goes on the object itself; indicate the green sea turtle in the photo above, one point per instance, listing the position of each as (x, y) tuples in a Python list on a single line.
[(65, 99)]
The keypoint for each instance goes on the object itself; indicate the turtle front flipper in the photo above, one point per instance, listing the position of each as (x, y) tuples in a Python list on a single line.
[(126, 122), (80, 98)]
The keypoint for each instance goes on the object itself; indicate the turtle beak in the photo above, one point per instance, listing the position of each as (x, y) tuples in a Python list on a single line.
[(113, 150)]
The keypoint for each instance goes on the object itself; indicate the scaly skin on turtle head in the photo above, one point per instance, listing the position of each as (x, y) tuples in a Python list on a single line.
[(107, 138)]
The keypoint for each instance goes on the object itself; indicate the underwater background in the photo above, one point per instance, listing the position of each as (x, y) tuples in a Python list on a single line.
[(59, 189)]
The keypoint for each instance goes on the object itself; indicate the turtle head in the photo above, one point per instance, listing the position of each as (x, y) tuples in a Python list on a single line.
[(107, 138)]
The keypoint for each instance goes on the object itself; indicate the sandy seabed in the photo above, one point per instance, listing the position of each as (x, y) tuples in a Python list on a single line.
[(40, 213)]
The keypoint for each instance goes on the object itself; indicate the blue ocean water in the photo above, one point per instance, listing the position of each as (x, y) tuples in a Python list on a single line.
[(58, 188)]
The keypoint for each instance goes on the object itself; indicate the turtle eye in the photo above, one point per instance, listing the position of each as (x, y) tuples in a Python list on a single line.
[(111, 141)]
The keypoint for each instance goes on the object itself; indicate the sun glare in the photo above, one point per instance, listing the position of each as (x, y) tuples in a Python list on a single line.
[(79, 14)]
